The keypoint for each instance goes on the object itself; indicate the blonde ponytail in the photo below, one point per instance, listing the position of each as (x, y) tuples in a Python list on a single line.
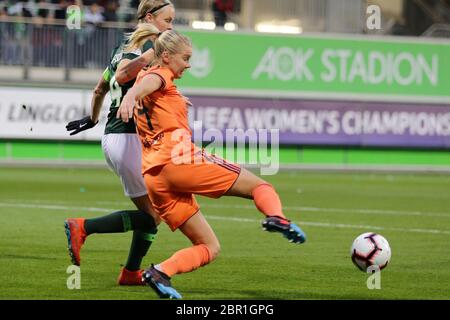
[(142, 33)]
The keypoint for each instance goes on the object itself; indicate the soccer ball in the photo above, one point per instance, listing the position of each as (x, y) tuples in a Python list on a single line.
[(370, 249)]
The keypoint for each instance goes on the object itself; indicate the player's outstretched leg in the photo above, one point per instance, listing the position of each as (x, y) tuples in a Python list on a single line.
[(76, 235), (268, 202)]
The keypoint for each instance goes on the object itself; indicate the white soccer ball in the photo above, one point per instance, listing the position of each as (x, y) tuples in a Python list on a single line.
[(370, 249)]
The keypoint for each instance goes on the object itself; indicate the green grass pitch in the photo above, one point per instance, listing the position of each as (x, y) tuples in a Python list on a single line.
[(411, 210)]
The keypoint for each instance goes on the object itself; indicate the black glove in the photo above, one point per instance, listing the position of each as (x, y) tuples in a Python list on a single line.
[(80, 125)]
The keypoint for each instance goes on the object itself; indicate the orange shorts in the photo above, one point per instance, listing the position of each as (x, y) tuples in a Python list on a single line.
[(171, 187)]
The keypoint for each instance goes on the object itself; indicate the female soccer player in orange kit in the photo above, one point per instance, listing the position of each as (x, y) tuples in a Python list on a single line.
[(175, 169)]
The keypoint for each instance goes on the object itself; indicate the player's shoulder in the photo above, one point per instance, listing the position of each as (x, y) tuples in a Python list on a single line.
[(149, 70), (130, 55), (164, 74), (162, 71), (119, 53)]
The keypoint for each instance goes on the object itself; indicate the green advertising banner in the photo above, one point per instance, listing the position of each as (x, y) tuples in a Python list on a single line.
[(261, 63)]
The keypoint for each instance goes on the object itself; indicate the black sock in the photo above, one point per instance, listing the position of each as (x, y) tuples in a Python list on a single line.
[(120, 221), (143, 236), (139, 248)]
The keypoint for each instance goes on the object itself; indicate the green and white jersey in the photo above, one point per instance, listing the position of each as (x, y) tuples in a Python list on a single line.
[(114, 125)]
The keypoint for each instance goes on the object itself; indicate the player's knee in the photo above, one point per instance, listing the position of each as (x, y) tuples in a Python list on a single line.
[(214, 250)]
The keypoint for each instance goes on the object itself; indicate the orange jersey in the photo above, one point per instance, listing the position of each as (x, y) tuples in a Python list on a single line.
[(164, 112)]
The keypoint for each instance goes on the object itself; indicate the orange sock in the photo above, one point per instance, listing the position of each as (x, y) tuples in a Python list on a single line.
[(267, 201), (186, 260)]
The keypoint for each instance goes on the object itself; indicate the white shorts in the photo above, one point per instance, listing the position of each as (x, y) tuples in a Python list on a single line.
[(123, 154)]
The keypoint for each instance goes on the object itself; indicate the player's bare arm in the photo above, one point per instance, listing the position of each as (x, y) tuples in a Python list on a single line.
[(129, 69), (148, 85), (100, 91), (98, 95)]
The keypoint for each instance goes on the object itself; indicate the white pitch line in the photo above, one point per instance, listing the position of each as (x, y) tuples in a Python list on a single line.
[(339, 210), (339, 225), (315, 209), (54, 207), (287, 208), (238, 219)]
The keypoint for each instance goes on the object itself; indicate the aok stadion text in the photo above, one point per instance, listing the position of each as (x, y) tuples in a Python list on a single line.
[(348, 66)]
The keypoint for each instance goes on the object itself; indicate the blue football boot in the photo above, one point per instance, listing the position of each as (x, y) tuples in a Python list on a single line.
[(160, 283), (289, 230)]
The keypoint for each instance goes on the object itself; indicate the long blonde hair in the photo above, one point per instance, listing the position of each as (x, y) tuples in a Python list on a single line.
[(137, 38), (151, 6), (170, 41)]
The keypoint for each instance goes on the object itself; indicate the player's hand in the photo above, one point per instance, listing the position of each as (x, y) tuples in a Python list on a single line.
[(125, 111), (80, 125)]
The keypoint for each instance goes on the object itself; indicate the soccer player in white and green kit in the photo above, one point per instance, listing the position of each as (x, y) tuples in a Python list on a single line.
[(121, 145)]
